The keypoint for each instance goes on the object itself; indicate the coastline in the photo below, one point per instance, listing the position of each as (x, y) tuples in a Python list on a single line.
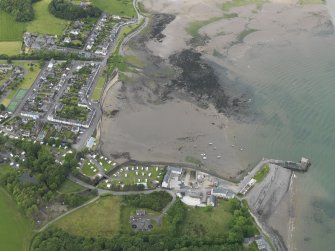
[(142, 95)]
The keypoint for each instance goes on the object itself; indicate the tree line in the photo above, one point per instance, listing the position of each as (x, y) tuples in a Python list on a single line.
[(67, 10), (21, 9)]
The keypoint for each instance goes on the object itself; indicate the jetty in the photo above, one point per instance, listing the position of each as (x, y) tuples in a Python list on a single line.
[(301, 166)]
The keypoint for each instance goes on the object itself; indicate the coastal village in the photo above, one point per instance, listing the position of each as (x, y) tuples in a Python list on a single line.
[(57, 111)]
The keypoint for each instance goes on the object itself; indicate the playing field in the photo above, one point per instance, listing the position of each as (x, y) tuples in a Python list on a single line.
[(16, 100), (15, 230), (102, 218), (116, 7), (10, 30), (44, 21)]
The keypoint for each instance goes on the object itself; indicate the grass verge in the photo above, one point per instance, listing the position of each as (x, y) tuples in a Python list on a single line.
[(261, 174)]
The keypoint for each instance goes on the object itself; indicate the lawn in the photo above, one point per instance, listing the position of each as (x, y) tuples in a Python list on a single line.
[(116, 7), (71, 187), (44, 21), (208, 221), (15, 230), (98, 89), (10, 48), (261, 174), (238, 3), (100, 219), (10, 30)]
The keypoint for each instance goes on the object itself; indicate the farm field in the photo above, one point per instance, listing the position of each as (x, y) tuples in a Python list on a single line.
[(10, 30), (44, 21), (16, 230), (116, 7), (100, 219)]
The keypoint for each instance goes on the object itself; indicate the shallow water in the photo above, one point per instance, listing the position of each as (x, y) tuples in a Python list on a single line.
[(294, 96)]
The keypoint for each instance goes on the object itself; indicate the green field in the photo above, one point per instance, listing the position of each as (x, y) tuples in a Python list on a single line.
[(44, 21), (10, 48), (16, 231), (102, 218), (208, 221), (71, 187), (10, 30), (116, 7)]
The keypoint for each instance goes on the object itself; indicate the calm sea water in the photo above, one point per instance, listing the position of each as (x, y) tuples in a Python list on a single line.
[(294, 96)]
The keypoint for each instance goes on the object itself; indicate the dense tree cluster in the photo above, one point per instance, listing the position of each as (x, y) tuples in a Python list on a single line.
[(46, 176), (57, 239), (155, 201), (66, 10), (21, 9)]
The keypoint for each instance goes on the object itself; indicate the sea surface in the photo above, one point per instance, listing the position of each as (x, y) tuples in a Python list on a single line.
[(293, 86)]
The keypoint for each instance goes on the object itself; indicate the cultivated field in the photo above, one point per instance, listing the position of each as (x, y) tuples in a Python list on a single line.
[(102, 218), (116, 7), (44, 21)]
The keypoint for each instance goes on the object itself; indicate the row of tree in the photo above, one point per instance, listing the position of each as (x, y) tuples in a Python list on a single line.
[(66, 10), (21, 9), (155, 201)]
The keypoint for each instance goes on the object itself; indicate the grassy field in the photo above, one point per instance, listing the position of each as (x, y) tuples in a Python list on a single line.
[(96, 95), (261, 174), (10, 30), (102, 218), (207, 220), (116, 7), (44, 21), (70, 187), (238, 3), (15, 230), (10, 48), (32, 72)]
